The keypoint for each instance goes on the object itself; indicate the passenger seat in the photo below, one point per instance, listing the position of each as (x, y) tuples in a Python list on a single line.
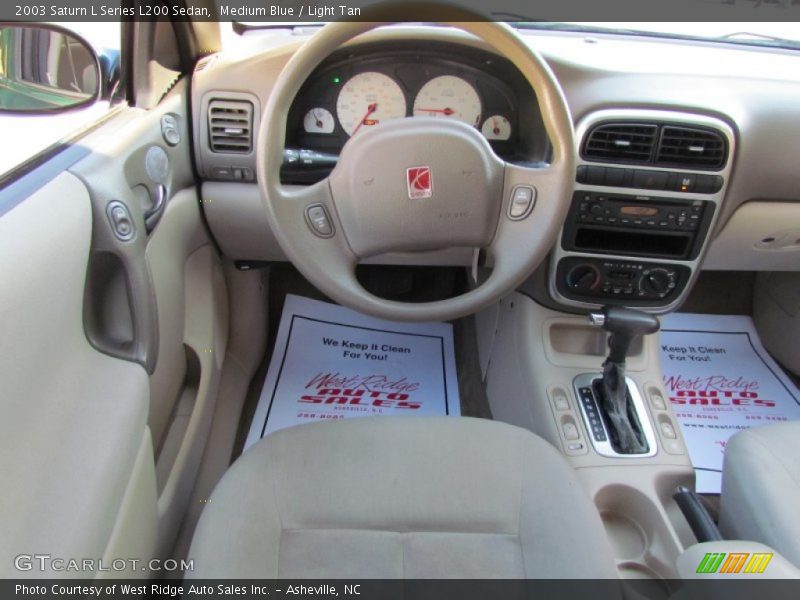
[(761, 488)]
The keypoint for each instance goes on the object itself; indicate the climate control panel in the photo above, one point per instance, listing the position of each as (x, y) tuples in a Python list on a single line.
[(632, 283)]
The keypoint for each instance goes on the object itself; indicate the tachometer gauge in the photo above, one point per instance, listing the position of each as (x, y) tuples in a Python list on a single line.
[(496, 127), (449, 96), (318, 120), (368, 99)]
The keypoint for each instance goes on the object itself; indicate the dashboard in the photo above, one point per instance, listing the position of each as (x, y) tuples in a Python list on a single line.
[(642, 222), (361, 88)]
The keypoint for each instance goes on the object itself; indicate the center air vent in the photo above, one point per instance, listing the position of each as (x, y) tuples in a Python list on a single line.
[(690, 147), (656, 143), (230, 126), (621, 142)]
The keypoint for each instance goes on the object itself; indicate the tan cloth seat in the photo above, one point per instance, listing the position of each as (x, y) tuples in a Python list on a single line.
[(401, 498), (761, 488)]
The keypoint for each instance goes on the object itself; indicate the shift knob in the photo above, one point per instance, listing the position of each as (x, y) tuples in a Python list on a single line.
[(624, 325)]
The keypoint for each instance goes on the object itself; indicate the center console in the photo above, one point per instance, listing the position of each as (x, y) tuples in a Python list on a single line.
[(648, 189)]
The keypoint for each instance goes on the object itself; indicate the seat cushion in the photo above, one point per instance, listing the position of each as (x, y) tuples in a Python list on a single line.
[(761, 488), (401, 498)]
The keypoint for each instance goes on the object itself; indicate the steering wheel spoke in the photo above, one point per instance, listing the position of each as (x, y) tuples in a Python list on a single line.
[(534, 198), (307, 215)]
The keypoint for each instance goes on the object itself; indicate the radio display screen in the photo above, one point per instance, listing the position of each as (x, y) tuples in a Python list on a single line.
[(638, 211)]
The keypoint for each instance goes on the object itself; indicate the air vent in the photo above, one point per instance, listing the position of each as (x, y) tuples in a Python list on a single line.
[(621, 142), (692, 148), (230, 126)]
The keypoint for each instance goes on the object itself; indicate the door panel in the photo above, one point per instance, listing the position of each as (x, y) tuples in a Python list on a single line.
[(174, 284), (108, 334), (72, 419)]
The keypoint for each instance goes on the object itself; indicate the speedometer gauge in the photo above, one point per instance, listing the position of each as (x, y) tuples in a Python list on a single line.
[(449, 96), (368, 99)]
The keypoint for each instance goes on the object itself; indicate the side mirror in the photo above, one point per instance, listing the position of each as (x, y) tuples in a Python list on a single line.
[(45, 69)]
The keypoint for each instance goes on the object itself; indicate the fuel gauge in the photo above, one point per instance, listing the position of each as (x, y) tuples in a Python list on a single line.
[(319, 120), (496, 127)]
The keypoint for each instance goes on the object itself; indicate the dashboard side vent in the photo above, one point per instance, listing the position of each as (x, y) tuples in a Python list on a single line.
[(230, 126), (621, 142), (691, 147)]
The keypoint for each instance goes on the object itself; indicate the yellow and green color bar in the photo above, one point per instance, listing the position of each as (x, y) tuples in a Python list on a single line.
[(734, 562)]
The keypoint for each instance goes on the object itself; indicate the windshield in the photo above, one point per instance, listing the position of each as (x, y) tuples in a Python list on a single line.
[(784, 34), (770, 34)]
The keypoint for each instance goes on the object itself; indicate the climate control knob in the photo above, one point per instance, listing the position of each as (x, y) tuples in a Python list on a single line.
[(657, 282), (583, 277)]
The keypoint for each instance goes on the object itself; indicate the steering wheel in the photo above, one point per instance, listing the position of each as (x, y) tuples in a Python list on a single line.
[(417, 184)]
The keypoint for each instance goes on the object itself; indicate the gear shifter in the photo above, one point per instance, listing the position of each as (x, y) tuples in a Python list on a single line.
[(625, 325)]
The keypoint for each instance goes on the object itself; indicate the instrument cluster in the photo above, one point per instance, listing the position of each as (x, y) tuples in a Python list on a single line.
[(361, 88)]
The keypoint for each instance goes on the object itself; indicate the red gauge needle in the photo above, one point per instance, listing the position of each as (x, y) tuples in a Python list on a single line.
[(445, 111), (370, 109)]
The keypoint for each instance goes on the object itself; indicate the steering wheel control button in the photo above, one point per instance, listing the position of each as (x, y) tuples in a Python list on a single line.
[(120, 219), (319, 221), (523, 198)]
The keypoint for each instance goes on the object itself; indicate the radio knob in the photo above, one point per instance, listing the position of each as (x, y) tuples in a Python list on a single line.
[(657, 282), (583, 277)]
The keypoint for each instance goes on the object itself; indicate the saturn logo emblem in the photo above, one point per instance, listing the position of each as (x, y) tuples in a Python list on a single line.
[(420, 183)]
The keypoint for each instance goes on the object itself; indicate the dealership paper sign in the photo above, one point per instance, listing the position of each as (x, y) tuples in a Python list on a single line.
[(331, 362), (720, 380)]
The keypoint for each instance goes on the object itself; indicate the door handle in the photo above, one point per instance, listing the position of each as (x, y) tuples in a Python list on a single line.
[(153, 215)]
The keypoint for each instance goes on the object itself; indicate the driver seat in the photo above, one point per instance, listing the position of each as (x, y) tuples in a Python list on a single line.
[(402, 497)]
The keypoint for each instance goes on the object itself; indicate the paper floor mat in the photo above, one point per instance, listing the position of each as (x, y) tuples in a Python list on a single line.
[(720, 380), (330, 362)]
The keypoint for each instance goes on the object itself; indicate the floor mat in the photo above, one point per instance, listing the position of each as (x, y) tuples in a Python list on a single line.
[(720, 380), (331, 362)]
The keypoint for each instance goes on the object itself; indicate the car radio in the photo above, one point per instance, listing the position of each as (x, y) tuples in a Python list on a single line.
[(636, 226), (629, 230)]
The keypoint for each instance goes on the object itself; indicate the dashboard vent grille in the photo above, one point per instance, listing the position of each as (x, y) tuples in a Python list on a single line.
[(688, 147), (623, 142), (230, 126)]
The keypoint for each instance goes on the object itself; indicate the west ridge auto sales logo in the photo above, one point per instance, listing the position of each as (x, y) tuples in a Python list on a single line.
[(715, 390), (376, 391)]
